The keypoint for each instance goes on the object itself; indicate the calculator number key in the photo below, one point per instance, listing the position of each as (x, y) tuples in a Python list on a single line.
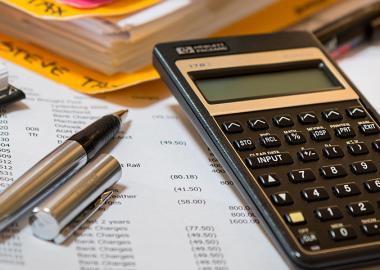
[(360, 208), (308, 155), (328, 213), (362, 167), (347, 189), (300, 176), (372, 185), (315, 194), (342, 233), (232, 127), (244, 144), (320, 134), (357, 149), (295, 138), (270, 141), (369, 128), (333, 151), (333, 171)]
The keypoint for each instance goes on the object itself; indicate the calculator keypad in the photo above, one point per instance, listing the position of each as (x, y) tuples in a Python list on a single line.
[(318, 166)]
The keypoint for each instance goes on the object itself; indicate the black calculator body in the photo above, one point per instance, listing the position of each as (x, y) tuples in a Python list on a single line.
[(299, 141)]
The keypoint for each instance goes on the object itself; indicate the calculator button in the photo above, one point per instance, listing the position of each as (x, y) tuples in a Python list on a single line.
[(362, 167), (356, 112), (295, 218), (328, 213), (269, 180), (244, 144), (320, 134), (308, 155), (357, 149), (315, 194), (258, 124), (270, 141), (307, 118), (342, 233), (376, 145), (295, 137), (372, 228), (372, 185), (348, 189), (332, 115), (299, 176), (345, 132), (232, 127), (283, 120), (308, 239), (333, 171), (360, 208), (369, 128), (333, 151), (282, 198), (282, 158)]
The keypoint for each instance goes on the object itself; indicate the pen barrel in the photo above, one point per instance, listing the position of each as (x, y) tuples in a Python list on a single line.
[(74, 196), (38, 182), (95, 136)]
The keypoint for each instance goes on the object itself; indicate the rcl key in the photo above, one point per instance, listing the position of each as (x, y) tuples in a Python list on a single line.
[(270, 160)]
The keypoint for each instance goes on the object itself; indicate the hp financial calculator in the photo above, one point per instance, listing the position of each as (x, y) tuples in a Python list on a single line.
[(299, 141)]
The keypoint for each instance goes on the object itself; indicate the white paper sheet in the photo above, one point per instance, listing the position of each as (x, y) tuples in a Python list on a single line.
[(174, 209)]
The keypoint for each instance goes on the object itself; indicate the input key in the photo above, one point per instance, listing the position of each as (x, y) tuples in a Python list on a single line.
[(270, 160)]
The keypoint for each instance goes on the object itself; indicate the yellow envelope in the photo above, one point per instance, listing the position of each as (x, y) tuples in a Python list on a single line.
[(50, 9)]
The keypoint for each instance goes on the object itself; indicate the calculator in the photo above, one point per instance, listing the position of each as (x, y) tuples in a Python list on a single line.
[(299, 141)]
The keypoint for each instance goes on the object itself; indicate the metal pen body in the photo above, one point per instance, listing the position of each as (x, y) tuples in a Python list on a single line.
[(50, 217), (53, 170), (38, 182)]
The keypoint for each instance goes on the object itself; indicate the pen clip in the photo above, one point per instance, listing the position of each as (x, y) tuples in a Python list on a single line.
[(84, 216)]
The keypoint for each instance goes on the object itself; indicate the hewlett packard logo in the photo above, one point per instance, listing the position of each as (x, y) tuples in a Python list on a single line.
[(202, 48)]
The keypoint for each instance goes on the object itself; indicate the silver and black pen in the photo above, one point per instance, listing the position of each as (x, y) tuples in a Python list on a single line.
[(54, 169)]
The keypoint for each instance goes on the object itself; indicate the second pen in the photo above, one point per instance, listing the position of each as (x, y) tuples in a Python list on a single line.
[(54, 169)]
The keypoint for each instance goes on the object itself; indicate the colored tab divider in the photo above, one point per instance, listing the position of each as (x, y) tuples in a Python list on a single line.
[(51, 9), (68, 73)]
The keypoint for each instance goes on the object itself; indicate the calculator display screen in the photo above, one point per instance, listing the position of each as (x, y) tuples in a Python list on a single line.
[(255, 85)]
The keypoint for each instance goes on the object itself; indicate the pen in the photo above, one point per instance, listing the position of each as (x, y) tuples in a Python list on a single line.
[(78, 199), (54, 169), (346, 33)]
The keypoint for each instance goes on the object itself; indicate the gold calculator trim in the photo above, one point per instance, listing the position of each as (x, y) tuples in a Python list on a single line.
[(265, 58)]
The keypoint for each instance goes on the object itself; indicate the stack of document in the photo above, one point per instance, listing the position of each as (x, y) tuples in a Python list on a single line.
[(123, 43)]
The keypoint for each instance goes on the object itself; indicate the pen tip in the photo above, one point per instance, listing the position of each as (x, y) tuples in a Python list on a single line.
[(122, 114)]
